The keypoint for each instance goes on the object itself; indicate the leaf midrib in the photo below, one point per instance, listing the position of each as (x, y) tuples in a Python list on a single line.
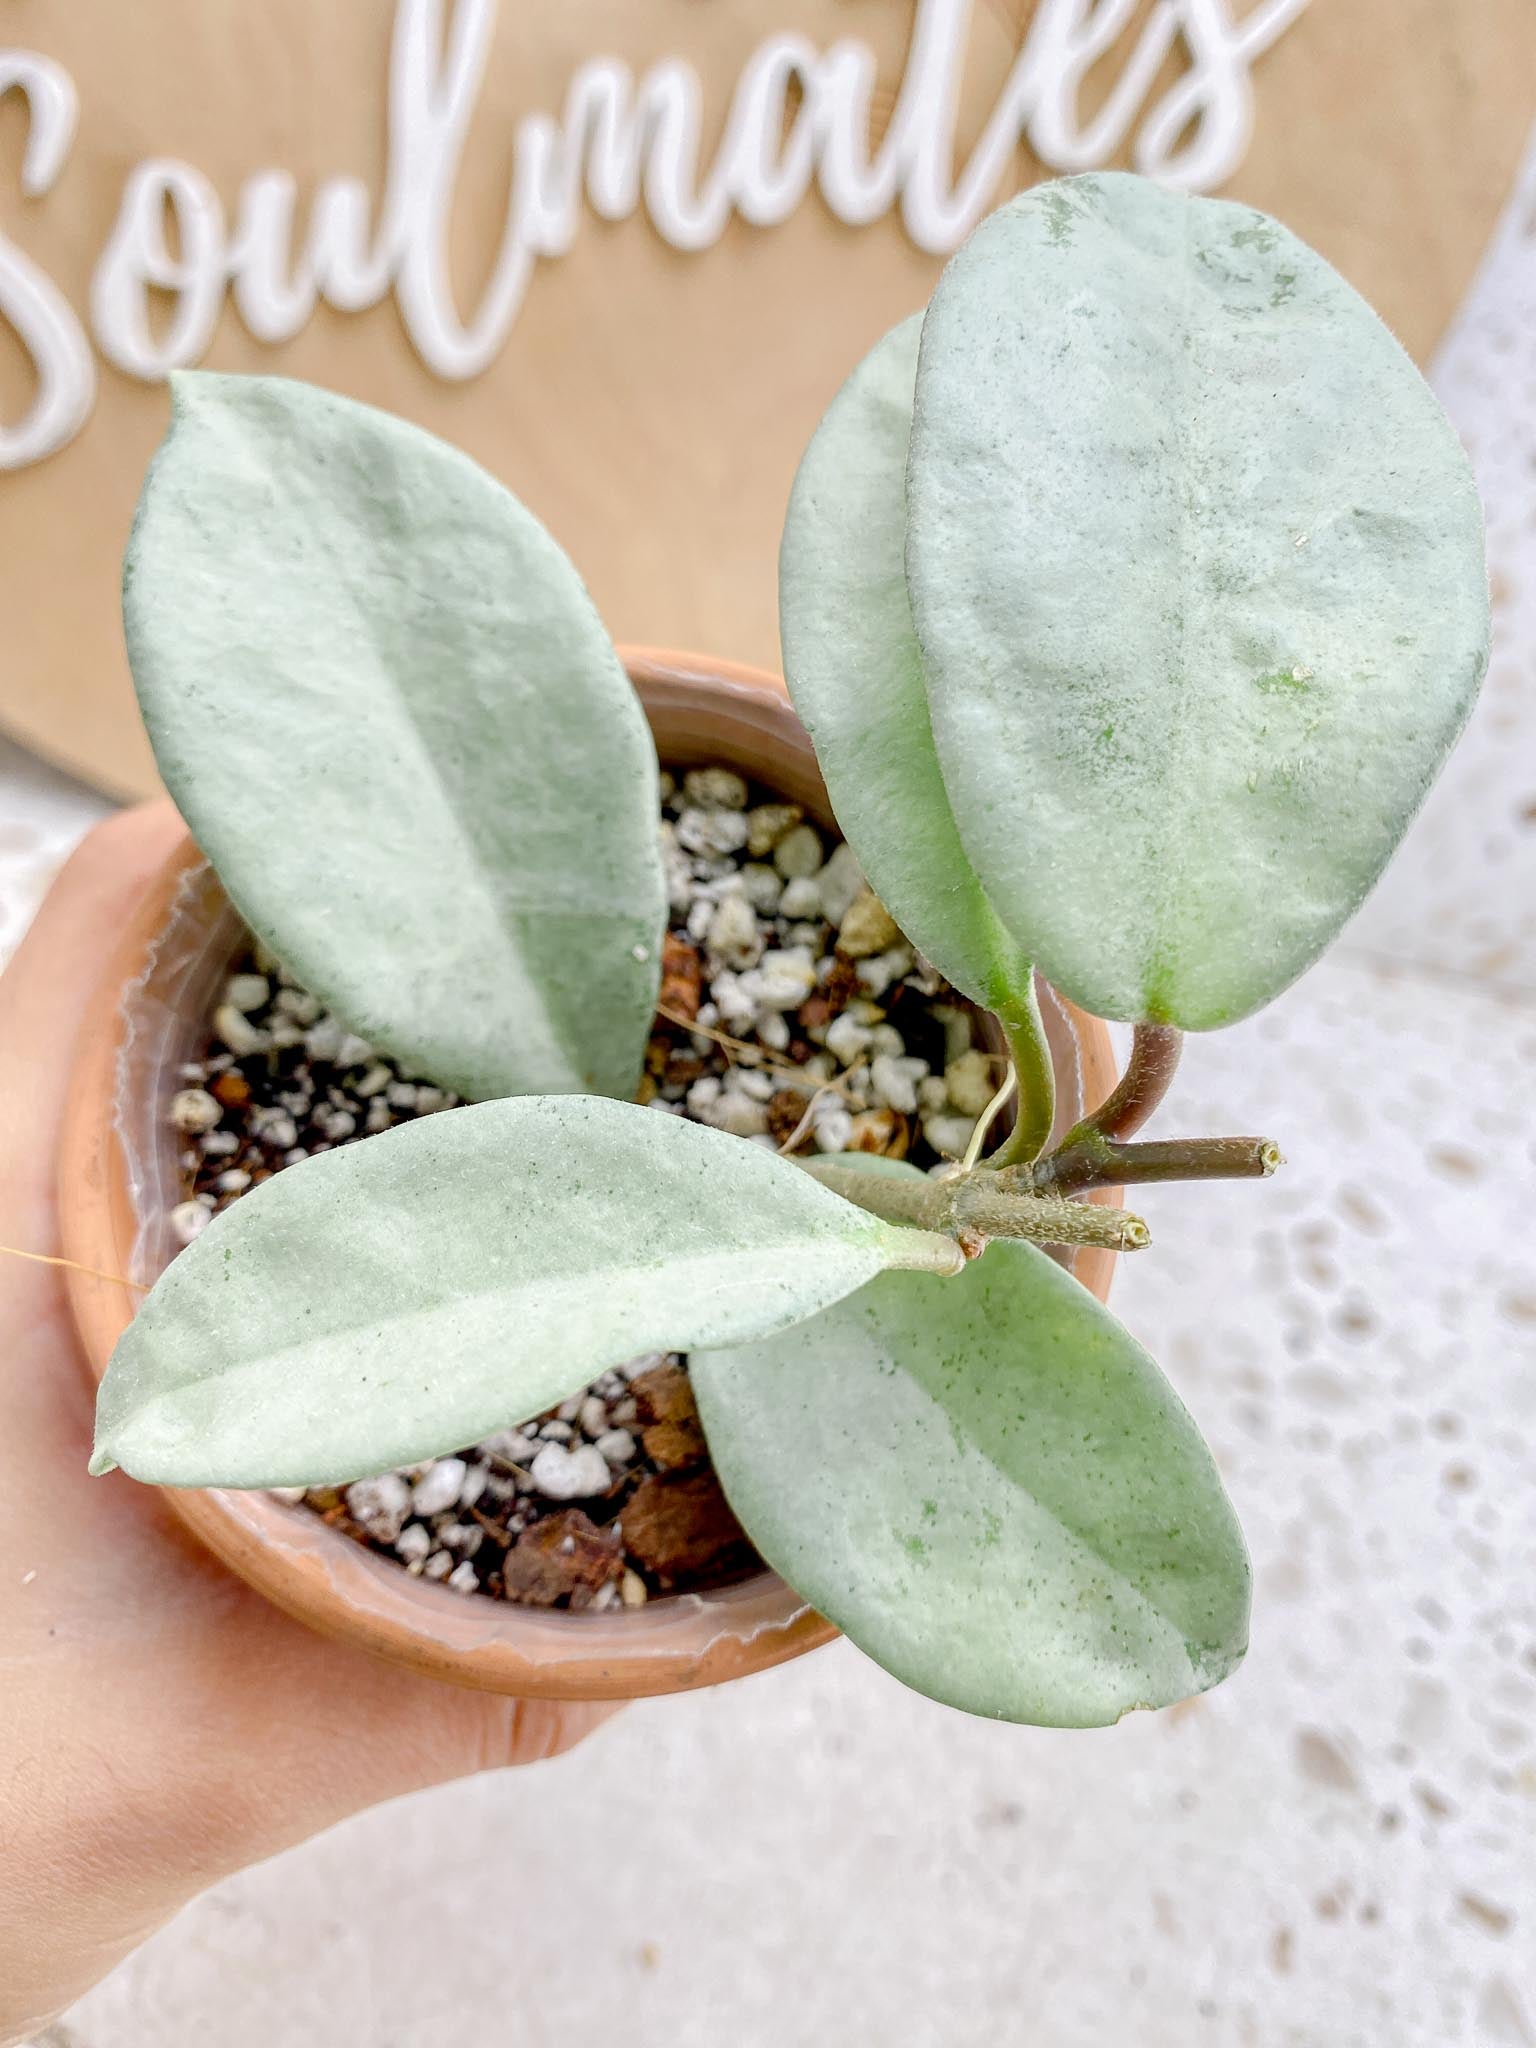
[(697, 1277)]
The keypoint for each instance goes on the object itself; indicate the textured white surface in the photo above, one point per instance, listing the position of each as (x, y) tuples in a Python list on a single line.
[(1338, 1848), (42, 814), (1461, 896)]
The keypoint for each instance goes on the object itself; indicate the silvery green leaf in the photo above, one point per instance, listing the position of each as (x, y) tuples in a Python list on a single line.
[(391, 1300), (386, 708), (1196, 565), (991, 1488), (856, 675)]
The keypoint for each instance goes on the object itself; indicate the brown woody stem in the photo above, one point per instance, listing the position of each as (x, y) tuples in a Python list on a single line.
[(1154, 1060), (1094, 1153), (1089, 1161)]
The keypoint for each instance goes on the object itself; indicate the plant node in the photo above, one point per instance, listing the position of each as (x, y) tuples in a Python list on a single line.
[(980, 1205)]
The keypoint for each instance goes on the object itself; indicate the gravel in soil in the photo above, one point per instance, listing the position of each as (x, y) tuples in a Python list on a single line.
[(792, 1013)]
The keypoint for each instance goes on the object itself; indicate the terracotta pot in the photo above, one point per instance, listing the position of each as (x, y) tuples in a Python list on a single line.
[(119, 1180)]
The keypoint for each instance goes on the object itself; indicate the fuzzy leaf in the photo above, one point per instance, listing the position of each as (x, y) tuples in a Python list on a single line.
[(391, 1300), (856, 675), (1196, 565), (386, 708), (991, 1489)]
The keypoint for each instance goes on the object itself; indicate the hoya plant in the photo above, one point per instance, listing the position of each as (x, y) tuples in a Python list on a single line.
[(1132, 595)]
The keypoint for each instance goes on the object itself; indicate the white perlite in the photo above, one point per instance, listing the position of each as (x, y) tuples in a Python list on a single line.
[(867, 927), (831, 1125), (880, 972), (734, 1110), (188, 1218), (894, 1081), (733, 935), (560, 1474), (949, 1134), (763, 889), (194, 1110), (798, 852), (782, 981), (839, 882), (233, 1028), (767, 825), (439, 1487), (847, 1039), (801, 898), (713, 832), (715, 789), (247, 991), (380, 1505), (510, 1447), (971, 1082)]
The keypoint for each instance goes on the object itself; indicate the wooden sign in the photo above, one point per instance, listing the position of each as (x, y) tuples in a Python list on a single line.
[(624, 251)]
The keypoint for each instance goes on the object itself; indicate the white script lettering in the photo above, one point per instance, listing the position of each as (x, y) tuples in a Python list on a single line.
[(30, 303), (799, 117)]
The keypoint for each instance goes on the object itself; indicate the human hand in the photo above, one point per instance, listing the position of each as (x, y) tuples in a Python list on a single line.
[(160, 1724)]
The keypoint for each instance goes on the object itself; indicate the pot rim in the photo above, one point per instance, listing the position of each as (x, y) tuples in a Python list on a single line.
[(316, 1573)]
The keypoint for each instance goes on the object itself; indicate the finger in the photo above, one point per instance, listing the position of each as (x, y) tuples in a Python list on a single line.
[(47, 986)]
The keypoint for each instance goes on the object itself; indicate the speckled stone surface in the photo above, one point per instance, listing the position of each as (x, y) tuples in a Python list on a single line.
[(1337, 1849), (1461, 897)]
